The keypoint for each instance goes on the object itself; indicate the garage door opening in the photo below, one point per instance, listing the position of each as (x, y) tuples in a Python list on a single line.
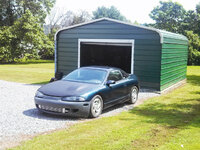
[(116, 54)]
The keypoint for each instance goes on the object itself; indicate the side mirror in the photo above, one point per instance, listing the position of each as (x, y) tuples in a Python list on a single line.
[(109, 82), (52, 80), (58, 75)]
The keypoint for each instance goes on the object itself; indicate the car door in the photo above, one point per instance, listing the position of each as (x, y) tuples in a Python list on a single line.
[(115, 92), (126, 82)]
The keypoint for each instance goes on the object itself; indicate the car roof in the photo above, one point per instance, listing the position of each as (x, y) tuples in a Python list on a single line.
[(107, 68)]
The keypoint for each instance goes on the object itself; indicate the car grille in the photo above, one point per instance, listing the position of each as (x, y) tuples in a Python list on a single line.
[(53, 109), (51, 97)]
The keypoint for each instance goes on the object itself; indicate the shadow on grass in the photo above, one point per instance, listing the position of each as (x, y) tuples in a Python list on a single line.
[(193, 79), (173, 115), (195, 92)]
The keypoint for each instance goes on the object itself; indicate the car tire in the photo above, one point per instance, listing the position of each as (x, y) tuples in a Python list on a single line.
[(133, 95), (96, 106)]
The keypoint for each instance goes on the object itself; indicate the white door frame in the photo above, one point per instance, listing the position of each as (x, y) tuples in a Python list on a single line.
[(125, 41)]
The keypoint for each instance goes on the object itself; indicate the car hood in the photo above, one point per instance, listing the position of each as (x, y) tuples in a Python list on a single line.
[(63, 88)]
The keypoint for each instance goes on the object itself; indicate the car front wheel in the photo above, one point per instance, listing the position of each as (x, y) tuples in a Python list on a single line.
[(96, 106), (134, 95)]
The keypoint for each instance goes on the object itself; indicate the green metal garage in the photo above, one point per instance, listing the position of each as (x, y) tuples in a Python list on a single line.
[(158, 58)]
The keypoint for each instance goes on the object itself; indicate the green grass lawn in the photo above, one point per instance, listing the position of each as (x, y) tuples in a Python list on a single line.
[(168, 122), (37, 73)]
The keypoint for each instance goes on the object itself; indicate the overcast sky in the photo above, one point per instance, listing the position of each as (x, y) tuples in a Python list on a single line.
[(132, 9)]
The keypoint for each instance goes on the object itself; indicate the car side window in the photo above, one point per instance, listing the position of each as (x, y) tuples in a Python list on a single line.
[(124, 74), (115, 75)]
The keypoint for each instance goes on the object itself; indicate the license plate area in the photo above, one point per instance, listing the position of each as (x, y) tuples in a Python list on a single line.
[(53, 109)]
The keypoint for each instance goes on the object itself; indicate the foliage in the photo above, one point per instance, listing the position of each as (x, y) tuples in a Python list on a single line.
[(52, 33), (25, 38), (136, 23), (191, 21), (7, 15), (6, 44), (33, 61), (31, 71), (80, 17), (194, 48), (11, 10), (168, 16), (163, 122), (111, 12)]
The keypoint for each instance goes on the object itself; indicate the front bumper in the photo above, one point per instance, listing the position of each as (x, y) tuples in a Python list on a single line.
[(64, 108)]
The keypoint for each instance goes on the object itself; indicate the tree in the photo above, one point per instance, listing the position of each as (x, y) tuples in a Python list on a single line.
[(25, 38), (198, 8), (111, 12), (53, 20), (11, 10), (7, 14), (71, 18), (194, 48), (169, 16), (191, 20), (6, 43), (60, 19)]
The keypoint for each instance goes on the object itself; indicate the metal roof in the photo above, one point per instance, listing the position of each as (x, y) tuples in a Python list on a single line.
[(162, 33)]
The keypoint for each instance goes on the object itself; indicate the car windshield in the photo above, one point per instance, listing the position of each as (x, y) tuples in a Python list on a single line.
[(87, 75)]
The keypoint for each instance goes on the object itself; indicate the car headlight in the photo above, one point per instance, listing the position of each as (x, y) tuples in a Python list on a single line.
[(39, 94), (73, 98)]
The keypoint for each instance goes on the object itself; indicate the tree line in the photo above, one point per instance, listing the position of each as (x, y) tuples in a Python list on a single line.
[(24, 34)]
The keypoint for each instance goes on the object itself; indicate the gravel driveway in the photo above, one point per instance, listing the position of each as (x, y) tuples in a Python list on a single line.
[(20, 120)]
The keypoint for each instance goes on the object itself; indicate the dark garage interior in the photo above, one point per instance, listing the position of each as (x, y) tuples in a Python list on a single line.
[(114, 55)]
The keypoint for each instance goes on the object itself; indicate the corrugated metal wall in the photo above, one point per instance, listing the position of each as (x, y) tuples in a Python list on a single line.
[(147, 50), (174, 60)]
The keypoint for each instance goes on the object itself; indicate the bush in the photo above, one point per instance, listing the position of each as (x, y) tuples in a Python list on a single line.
[(33, 61)]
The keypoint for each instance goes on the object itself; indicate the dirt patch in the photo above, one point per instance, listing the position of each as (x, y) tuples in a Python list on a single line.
[(154, 138)]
